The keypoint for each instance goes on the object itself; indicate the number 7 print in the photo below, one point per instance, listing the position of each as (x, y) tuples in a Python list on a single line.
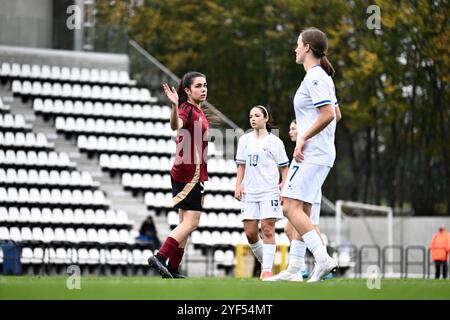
[(295, 171)]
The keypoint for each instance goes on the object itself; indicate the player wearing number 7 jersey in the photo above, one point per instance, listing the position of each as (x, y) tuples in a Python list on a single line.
[(314, 153), (260, 157)]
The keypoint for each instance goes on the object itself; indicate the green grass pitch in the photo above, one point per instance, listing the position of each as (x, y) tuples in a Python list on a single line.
[(54, 287)]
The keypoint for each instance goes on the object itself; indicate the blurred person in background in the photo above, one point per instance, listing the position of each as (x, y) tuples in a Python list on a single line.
[(440, 248), (148, 233)]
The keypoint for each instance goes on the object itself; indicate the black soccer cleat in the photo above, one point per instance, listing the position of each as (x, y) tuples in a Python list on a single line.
[(156, 262), (176, 274)]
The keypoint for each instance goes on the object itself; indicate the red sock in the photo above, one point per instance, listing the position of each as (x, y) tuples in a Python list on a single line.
[(168, 248), (175, 260)]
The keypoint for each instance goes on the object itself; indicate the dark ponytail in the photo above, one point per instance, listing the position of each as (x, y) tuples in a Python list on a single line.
[(182, 96), (318, 44), (327, 66)]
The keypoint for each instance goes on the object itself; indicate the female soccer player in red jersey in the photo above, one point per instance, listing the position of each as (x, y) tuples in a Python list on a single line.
[(189, 170)]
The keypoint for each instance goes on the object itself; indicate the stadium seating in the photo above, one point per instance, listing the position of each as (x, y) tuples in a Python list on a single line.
[(125, 128), (46, 205)]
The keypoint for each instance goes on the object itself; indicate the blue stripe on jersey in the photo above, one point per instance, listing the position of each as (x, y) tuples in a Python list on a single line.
[(284, 163), (322, 102), (336, 103)]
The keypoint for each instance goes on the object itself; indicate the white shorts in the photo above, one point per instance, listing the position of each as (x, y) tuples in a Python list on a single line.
[(259, 210), (304, 181), (315, 213)]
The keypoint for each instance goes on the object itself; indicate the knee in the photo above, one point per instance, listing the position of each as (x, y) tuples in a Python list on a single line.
[(252, 236), (191, 224), (268, 231), (193, 227), (286, 208)]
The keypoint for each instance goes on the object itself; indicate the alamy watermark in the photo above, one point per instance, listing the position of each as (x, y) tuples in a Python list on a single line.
[(73, 282), (75, 18), (225, 140), (373, 277), (374, 20), (74, 21)]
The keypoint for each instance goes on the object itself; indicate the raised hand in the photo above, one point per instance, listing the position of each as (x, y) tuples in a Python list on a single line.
[(171, 94)]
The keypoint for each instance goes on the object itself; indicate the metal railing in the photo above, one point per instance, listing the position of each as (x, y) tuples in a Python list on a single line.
[(365, 255), (422, 263), (347, 255), (387, 262), (361, 261)]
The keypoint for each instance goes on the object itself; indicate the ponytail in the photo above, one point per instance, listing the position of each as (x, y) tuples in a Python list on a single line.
[(182, 96), (186, 82), (318, 43), (327, 66)]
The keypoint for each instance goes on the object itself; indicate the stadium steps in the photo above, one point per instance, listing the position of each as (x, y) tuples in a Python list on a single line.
[(122, 199), (112, 187), (17, 106), (162, 226), (197, 266)]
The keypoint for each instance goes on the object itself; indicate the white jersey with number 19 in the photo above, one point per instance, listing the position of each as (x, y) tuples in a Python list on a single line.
[(262, 158)]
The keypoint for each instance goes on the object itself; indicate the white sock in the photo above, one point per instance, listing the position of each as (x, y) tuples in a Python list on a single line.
[(257, 249), (296, 256), (268, 256), (315, 245)]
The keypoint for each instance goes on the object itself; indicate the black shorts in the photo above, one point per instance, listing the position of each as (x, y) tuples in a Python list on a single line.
[(188, 195)]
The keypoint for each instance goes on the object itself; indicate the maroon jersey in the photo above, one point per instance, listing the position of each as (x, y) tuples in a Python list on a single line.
[(192, 145)]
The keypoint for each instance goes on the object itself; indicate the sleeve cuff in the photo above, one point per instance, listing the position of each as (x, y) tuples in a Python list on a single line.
[(322, 103)]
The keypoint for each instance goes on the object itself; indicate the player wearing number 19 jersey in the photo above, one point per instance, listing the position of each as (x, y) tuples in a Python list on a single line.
[(260, 156)]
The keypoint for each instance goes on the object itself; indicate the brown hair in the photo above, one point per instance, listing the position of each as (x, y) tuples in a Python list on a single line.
[(186, 82), (269, 123), (318, 43)]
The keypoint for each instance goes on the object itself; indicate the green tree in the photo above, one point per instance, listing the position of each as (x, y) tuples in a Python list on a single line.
[(392, 83)]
